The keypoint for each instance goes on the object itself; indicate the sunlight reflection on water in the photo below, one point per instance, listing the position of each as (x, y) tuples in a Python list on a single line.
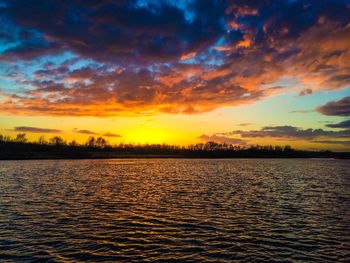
[(175, 210)]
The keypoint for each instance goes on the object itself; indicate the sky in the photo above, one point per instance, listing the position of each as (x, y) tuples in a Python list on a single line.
[(180, 72)]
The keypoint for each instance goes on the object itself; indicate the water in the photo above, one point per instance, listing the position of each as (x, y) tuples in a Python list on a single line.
[(175, 210)]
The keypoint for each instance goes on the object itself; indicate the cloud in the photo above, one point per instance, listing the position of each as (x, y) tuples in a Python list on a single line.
[(85, 132), (222, 139), (113, 135), (336, 108), (106, 134), (325, 122), (124, 29), (345, 143), (301, 111), (290, 132), (305, 92), (342, 125), (35, 129), (244, 124), (283, 133), (102, 92), (131, 57)]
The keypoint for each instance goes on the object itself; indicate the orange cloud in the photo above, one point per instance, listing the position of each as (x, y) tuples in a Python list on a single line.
[(233, 64), (188, 55)]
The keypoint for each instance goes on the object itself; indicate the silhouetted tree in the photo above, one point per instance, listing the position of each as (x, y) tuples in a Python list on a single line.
[(287, 148), (101, 142), (4, 138), (21, 138), (90, 142), (278, 148), (209, 149), (57, 141), (42, 140), (73, 143)]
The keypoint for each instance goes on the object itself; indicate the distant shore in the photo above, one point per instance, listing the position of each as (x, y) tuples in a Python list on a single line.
[(31, 151)]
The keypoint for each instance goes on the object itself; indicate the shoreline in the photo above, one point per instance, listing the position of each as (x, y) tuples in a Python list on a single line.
[(32, 151), (162, 156)]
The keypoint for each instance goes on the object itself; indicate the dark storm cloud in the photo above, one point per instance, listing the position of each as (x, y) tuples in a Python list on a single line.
[(35, 129), (336, 108), (107, 30), (186, 56)]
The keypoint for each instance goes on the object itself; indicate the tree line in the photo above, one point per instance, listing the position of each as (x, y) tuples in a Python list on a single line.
[(19, 147), (101, 143)]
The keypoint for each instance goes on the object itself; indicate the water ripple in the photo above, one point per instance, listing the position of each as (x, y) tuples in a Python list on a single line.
[(175, 210)]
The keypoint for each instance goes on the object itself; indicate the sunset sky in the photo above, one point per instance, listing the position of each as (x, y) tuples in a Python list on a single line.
[(177, 71)]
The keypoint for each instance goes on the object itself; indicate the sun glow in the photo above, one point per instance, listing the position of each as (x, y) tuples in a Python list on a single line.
[(147, 135)]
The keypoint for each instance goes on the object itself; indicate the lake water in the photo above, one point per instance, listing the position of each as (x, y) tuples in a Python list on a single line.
[(175, 210)]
